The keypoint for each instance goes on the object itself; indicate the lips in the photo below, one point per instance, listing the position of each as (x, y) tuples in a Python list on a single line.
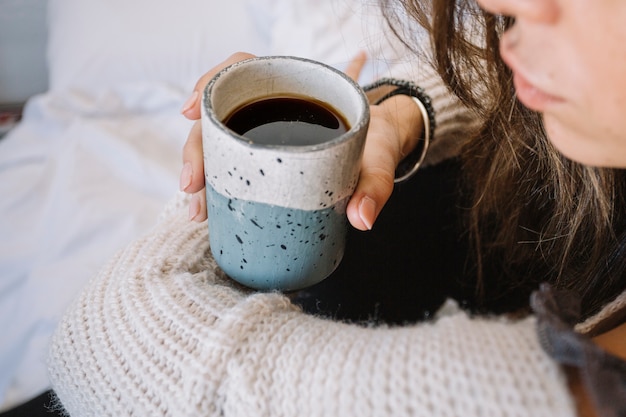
[(531, 96)]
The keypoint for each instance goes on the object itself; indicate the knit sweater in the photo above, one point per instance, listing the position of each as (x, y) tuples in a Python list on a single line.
[(161, 331)]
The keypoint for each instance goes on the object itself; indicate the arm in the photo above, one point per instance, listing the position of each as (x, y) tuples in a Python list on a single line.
[(161, 332)]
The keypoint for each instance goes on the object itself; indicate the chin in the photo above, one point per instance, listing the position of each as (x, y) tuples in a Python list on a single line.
[(580, 148), (589, 155)]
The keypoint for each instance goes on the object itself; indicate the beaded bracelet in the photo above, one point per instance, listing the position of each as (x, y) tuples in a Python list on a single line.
[(409, 165)]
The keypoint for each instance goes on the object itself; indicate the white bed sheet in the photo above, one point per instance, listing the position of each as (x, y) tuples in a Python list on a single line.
[(75, 189), (87, 171)]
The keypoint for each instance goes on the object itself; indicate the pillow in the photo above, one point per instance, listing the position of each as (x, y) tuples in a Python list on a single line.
[(101, 44)]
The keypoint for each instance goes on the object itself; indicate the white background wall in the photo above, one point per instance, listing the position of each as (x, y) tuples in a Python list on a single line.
[(23, 33)]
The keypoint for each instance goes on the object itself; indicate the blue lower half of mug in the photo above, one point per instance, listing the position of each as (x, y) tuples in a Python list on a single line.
[(269, 247)]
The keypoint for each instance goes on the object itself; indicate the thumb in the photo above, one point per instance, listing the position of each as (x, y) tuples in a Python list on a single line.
[(376, 182), (394, 129)]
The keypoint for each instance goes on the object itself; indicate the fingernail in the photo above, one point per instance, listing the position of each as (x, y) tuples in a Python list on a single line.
[(194, 207), (191, 101), (367, 211), (185, 176)]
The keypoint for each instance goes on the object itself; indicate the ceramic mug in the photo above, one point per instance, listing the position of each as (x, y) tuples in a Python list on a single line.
[(277, 208)]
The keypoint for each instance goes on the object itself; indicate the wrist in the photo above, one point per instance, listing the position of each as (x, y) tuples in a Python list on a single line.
[(414, 121), (402, 113)]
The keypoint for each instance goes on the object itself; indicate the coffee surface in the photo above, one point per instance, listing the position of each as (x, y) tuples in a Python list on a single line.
[(289, 121)]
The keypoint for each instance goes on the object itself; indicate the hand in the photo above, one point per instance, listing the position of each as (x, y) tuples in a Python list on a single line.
[(395, 126)]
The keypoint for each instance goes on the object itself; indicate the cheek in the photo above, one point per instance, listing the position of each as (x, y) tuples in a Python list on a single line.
[(604, 95), (604, 110), (601, 81), (591, 127)]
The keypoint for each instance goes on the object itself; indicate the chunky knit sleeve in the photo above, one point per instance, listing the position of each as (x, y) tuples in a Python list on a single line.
[(161, 332)]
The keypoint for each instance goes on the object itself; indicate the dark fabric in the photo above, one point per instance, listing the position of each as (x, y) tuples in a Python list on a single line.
[(412, 260), (416, 256), (603, 374), (41, 406)]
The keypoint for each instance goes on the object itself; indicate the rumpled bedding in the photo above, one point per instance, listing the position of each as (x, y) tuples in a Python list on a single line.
[(75, 189)]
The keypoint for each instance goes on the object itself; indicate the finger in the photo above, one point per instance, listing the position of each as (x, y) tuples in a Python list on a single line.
[(191, 108), (354, 68), (192, 173), (197, 207), (375, 184)]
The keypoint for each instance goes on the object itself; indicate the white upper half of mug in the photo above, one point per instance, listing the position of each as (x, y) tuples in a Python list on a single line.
[(310, 177)]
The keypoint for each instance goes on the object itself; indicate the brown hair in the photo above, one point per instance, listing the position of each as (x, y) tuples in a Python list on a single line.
[(533, 215)]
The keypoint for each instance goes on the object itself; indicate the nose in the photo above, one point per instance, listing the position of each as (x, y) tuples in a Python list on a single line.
[(543, 11)]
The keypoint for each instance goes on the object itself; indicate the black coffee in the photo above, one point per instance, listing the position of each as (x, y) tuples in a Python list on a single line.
[(287, 121)]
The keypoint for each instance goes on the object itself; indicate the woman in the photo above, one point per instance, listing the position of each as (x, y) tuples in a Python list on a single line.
[(162, 331)]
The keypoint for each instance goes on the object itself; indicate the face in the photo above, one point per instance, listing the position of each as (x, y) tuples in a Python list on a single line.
[(569, 63)]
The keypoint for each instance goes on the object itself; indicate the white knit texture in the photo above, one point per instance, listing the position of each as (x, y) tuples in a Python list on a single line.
[(160, 332)]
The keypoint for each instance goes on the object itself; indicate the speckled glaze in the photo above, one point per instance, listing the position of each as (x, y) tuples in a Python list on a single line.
[(277, 214)]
